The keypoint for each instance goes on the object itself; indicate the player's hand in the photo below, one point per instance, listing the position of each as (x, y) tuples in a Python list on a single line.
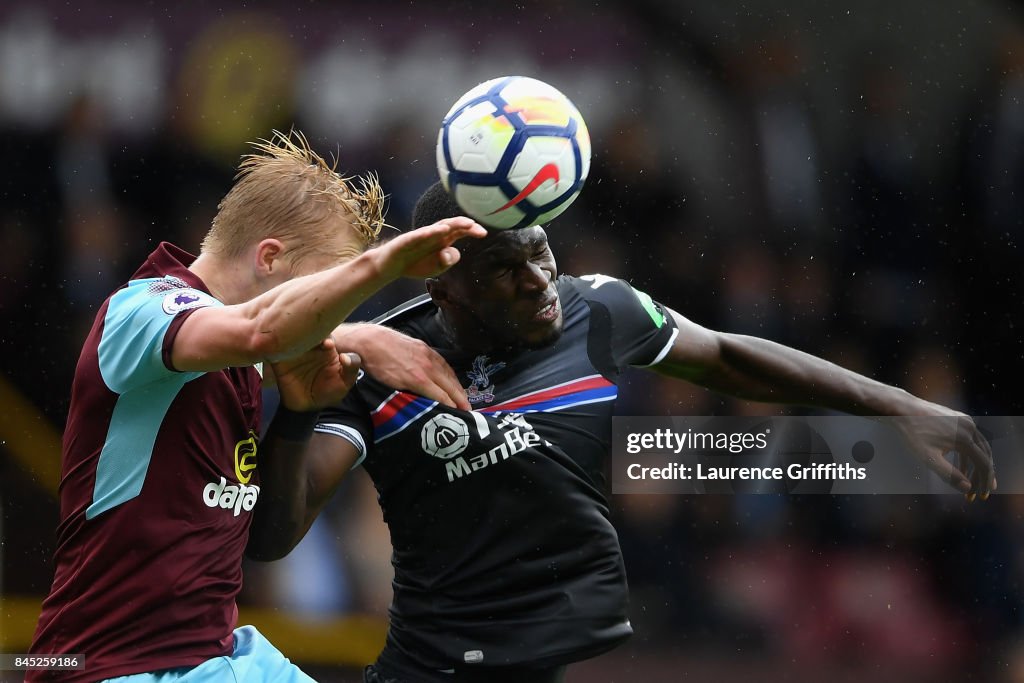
[(427, 251), (942, 431), (316, 379), (402, 362)]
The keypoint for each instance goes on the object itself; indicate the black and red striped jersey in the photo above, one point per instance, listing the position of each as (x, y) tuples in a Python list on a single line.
[(503, 548)]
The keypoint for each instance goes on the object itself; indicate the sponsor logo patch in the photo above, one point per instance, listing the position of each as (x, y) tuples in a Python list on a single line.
[(184, 299), (245, 458), (517, 435), (444, 436), (237, 497)]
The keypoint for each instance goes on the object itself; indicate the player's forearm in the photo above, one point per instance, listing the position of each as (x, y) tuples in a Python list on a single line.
[(760, 370), (299, 314), (280, 518)]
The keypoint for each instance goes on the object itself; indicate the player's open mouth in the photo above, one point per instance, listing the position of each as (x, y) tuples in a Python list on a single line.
[(547, 313)]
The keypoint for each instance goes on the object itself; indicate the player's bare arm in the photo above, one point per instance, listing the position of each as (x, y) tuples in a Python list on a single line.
[(299, 475), (760, 370), (402, 362), (297, 315)]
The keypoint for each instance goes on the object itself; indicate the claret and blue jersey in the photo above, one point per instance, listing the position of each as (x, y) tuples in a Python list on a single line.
[(503, 549), (159, 478)]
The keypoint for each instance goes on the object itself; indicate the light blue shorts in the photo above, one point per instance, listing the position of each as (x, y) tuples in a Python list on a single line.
[(254, 660)]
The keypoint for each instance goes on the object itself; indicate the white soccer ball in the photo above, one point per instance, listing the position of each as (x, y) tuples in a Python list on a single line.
[(513, 152)]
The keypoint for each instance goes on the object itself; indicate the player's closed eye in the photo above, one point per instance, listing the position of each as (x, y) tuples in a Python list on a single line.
[(498, 272)]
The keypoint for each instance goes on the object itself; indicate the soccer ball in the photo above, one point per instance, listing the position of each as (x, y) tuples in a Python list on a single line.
[(513, 152)]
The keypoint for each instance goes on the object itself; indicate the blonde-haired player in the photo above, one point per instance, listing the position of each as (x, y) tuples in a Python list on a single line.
[(160, 469)]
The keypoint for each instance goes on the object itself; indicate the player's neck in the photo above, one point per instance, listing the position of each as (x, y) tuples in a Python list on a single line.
[(468, 335), (226, 279)]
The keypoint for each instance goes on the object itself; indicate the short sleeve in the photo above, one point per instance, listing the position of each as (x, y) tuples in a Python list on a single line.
[(138, 317), (633, 328), (349, 420)]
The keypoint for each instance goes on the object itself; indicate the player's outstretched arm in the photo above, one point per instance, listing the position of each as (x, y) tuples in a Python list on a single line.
[(297, 315), (760, 370)]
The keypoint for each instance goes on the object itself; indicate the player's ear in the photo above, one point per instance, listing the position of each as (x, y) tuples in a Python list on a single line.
[(269, 255), (444, 295), (438, 291)]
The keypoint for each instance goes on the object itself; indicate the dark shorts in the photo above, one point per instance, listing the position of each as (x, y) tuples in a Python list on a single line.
[(395, 667)]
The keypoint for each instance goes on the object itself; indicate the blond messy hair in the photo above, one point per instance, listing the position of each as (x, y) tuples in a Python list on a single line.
[(287, 191)]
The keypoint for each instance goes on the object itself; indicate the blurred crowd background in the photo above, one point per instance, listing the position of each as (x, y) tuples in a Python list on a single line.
[(847, 178)]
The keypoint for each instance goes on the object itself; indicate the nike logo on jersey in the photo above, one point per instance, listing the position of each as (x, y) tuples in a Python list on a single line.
[(547, 172)]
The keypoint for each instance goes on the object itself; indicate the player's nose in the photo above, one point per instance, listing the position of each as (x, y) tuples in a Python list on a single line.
[(533, 278)]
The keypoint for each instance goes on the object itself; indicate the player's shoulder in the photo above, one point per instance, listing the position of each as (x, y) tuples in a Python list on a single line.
[(410, 310), (408, 316), (621, 299), (411, 318), (168, 294), (599, 287)]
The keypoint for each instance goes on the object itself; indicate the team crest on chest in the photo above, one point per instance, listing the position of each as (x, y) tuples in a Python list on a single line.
[(481, 388)]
